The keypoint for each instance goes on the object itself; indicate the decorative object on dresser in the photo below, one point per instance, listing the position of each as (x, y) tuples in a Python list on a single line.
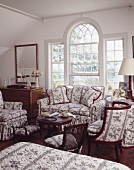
[(36, 74), (28, 97), (124, 86)]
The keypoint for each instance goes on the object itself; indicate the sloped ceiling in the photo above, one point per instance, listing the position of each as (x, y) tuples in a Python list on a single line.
[(12, 26), (53, 8), (16, 16)]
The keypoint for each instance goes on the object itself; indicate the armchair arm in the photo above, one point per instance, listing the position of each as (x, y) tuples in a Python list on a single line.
[(13, 105), (97, 110), (42, 103)]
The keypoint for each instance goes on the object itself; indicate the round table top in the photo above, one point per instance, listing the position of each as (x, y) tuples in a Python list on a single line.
[(56, 120)]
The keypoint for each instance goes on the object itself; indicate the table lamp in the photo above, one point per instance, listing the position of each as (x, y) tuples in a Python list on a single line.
[(127, 69)]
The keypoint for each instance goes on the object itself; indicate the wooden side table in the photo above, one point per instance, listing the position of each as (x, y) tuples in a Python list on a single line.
[(52, 122)]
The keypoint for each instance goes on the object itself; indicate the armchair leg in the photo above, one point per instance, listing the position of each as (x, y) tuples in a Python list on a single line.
[(117, 153)]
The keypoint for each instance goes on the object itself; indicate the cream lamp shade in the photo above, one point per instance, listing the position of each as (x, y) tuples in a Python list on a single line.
[(127, 67)]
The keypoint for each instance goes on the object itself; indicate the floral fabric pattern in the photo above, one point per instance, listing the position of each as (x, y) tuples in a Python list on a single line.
[(76, 94), (29, 128), (82, 113), (95, 127), (115, 125), (57, 95), (128, 139), (57, 140), (11, 114), (6, 114), (12, 105), (102, 90), (6, 130), (1, 100), (90, 96), (30, 156)]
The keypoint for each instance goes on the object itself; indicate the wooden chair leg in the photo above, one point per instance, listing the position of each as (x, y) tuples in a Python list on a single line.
[(120, 147), (89, 145), (117, 153), (97, 145)]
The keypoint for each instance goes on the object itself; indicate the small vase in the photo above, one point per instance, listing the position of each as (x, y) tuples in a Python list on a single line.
[(36, 82)]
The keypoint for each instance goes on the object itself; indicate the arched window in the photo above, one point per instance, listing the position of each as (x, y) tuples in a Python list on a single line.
[(84, 52), (86, 56)]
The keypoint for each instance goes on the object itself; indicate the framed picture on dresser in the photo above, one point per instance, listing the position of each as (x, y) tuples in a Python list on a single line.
[(124, 86)]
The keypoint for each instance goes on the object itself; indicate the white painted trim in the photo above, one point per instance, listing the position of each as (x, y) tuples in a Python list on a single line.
[(115, 36), (47, 42), (66, 38), (20, 12)]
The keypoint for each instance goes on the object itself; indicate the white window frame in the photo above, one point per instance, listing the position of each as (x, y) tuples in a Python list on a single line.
[(52, 82), (48, 61), (65, 41), (115, 36), (66, 38)]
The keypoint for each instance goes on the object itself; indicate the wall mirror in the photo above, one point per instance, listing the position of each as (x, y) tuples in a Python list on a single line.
[(26, 61)]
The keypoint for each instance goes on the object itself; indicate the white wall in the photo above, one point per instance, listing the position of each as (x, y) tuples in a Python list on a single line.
[(110, 21)]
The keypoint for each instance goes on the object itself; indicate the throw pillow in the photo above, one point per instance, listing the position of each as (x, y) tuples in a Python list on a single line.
[(57, 95), (76, 94), (1, 101), (9, 105), (99, 88), (90, 96)]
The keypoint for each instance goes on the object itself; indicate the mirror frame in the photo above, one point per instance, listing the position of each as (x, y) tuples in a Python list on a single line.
[(25, 45)]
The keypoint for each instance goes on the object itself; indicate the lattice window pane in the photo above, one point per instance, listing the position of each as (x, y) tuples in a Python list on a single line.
[(57, 55), (84, 80), (84, 43), (114, 55)]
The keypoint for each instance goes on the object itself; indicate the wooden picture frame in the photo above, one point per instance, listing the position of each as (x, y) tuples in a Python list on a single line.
[(133, 45)]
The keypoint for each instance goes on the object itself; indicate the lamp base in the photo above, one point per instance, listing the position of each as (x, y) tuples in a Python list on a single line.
[(129, 95)]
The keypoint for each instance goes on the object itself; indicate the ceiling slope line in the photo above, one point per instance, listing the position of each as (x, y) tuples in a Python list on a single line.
[(20, 12), (86, 12)]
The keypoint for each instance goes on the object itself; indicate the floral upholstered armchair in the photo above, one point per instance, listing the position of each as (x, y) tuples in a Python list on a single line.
[(86, 103), (112, 129), (11, 115)]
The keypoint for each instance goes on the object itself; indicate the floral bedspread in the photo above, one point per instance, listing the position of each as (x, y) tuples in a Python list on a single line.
[(30, 156)]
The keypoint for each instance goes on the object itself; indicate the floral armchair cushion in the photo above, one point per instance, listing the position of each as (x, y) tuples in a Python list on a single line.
[(1, 100), (58, 95), (27, 130), (56, 141), (7, 115)]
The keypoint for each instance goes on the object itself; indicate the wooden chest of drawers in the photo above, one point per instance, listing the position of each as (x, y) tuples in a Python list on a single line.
[(28, 97)]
